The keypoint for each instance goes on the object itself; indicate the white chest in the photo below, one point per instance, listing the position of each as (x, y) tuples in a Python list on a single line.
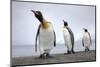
[(46, 35), (67, 39), (65, 32), (86, 39), (86, 36), (66, 35)]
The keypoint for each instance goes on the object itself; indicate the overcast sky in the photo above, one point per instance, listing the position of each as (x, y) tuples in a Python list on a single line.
[(24, 24)]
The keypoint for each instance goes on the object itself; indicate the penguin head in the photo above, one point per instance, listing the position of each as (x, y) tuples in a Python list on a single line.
[(38, 15), (65, 23), (85, 30)]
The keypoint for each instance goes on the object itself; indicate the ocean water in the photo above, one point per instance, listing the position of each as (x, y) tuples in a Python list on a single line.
[(29, 50)]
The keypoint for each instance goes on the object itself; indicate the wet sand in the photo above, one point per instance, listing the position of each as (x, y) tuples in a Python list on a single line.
[(56, 58)]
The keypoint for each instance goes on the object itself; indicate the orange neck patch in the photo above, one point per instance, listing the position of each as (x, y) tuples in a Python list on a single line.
[(44, 25)]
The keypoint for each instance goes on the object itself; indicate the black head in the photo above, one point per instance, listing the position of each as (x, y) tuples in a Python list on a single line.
[(85, 30), (38, 15), (65, 23)]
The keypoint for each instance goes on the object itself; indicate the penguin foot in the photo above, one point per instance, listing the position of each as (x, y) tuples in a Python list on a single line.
[(41, 56), (48, 55), (86, 49), (45, 55), (69, 52), (65, 53), (73, 52)]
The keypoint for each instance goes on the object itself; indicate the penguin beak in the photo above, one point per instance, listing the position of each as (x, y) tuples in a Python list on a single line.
[(63, 21), (33, 11)]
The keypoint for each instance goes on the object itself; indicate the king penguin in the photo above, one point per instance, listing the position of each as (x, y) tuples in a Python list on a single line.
[(45, 35), (68, 38), (86, 41)]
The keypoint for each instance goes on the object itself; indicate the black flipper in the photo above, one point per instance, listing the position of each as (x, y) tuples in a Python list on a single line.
[(89, 37), (82, 42), (37, 38), (72, 37), (54, 39)]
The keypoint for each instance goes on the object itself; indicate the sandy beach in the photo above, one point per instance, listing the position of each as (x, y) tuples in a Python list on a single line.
[(56, 58)]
